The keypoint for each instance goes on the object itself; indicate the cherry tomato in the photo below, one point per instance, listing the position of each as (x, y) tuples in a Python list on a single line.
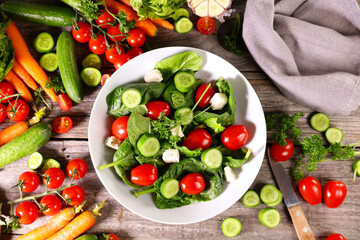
[(28, 212), (119, 127), (115, 34), (310, 189), (335, 236), (121, 60), (52, 205), (21, 109), (79, 165), (199, 138), (104, 78), (6, 90), (62, 124), (53, 178), (144, 174), (234, 137), (205, 100), (98, 45), (136, 38), (112, 236), (2, 113), (105, 19), (113, 52), (30, 181), (74, 195), (192, 183), (81, 32), (206, 25), (157, 107), (134, 52), (334, 193), (282, 153), (64, 101)]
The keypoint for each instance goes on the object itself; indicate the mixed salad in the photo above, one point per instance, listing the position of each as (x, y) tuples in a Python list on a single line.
[(174, 135)]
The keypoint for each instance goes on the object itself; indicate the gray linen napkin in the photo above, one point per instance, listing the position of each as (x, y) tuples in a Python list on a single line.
[(309, 48)]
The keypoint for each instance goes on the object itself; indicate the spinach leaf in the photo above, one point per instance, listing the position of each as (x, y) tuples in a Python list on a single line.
[(179, 99), (234, 159), (7, 52), (214, 125), (224, 119), (189, 153), (138, 125)]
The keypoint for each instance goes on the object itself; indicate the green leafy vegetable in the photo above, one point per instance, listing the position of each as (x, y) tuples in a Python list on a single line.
[(179, 99), (138, 125), (189, 153), (214, 125), (39, 97), (156, 8), (88, 8), (229, 41), (8, 223), (7, 52), (162, 129), (56, 83), (234, 159)]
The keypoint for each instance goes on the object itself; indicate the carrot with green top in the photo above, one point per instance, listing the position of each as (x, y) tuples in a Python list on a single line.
[(19, 86), (24, 75)]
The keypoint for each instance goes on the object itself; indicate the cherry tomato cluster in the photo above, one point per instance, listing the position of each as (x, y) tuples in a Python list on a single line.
[(53, 178)]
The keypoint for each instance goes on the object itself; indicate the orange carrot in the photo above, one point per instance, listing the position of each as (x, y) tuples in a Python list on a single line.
[(145, 25), (20, 71), (126, 2), (25, 59), (79, 225), (20, 87), (162, 23), (13, 131)]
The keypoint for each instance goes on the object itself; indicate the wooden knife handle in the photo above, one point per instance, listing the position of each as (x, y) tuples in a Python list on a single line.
[(301, 225)]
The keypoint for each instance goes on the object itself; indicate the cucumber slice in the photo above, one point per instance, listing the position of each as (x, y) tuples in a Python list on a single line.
[(320, 122), (131, 98), (277, 202), (231, 227), (91, 76), (43, 43), (49, 62), (269, 194), (212, 158), (36, 160), (184, 81), (180, 12), (169, 187), (356, 169), (185, 115), (148, 145), (91, 60), (50, 163), (334, 135), (251, 199), (270, 217), (183, 25)]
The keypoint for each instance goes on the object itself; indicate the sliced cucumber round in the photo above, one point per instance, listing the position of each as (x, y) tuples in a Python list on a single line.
[(131, 98), (231, 227), (320, 122), (50, 163), (180, 12), (269, 194), (184, 81), (148, 145), (44, 42), (212, 158), (36, 160), (183, 25), (270, 217), (169, 187), (185, 115), (91, 76), (277, 202), (91, 60), (334, 135), (251, 199), (49, 62)]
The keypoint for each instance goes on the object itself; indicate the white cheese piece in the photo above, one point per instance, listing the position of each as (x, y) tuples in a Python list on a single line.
[(153, 76), (171, 155), (229, 174), (177, 131), (218, 101), (113, 142)]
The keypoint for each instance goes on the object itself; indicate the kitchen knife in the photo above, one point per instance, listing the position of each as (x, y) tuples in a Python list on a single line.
[(301, 225)]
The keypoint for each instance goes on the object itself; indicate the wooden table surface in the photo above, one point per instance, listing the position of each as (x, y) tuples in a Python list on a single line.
[(127, 225)]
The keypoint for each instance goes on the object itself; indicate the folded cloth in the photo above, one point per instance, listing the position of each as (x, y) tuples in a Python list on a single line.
[(309, 48)]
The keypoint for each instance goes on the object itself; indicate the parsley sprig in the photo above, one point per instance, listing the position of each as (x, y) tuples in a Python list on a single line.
[(230, 40)]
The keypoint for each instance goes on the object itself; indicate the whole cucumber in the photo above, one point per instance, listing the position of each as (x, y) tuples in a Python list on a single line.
[(39, 13), (69, 72), (26, 143)]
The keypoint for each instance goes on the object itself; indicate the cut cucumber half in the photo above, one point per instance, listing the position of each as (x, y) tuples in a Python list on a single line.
[(184, 81), (183, 25), (91, 60), (269, 194), (36, 160), (231, 227), (334, 135), (180, 12), (251, 199), (50, 163), (185, 115), (169, 187), (320, 122), (91, 76), (270, 217), (49, 62), (212, 158), (356, 167), (43, 43), (131, 98), (277, 202), (148, 145)]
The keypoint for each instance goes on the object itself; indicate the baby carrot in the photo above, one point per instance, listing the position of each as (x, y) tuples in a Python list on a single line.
[(162, 23), (24, 75), (13, 131), (20, 87)]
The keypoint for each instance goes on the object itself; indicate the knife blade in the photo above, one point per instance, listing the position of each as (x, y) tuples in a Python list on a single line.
[(292, 203)]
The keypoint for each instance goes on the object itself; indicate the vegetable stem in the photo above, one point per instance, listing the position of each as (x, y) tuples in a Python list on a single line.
[(145, 191), (109, 165)]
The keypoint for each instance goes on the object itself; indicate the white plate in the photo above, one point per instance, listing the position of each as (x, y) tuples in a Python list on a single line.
[(248, 112)]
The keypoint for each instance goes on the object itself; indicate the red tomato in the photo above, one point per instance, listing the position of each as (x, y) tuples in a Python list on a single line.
[(74, 195), (6, 90), (30, 181), (104, 78), (62, 124), (51, 204), (205, 100), (334, 193), (98, 45), (310, 189), (119, 127), (199, 138), (2, 113), (206, 25), (157, 107), (113, 52), (134, 52), (64, 101), (121, 60), (192, 183), (234, 137), (104, 19), (115, 34), (335, 236), (282, 153), (144, 174), (21, 109), (53, 178), (79, 165), (27, 212), (136, 38), (112, 236), (81, 32)]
